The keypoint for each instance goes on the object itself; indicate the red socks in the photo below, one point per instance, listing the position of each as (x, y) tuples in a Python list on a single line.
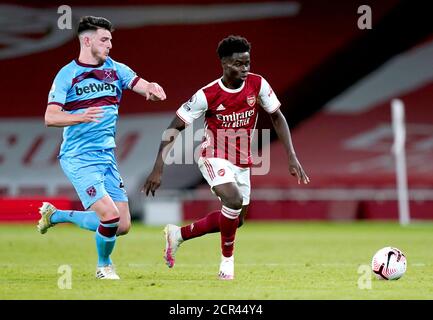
[(226, 221), (229, 220), (208, 224)]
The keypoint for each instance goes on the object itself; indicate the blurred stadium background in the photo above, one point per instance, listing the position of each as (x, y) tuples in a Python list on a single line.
[(334, 80)]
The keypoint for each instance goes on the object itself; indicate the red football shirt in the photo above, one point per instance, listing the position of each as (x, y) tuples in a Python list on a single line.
[(230, 116)]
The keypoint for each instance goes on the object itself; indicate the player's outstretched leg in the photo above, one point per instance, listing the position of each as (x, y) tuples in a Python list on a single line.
[(105, 238), (173, 240), (209, 224), (50, 216)]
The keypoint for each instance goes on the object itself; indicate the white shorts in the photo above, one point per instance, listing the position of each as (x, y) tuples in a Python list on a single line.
[(218, 171)]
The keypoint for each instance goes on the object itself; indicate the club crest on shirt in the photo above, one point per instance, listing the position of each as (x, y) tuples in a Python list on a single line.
[(108, 75), (91, 191), (251, 100)]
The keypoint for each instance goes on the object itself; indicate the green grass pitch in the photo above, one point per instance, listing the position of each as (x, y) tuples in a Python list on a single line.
[(286, 260)]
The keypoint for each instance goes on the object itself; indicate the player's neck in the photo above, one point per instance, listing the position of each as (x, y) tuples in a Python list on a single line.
[(231, 84), (88, 59)]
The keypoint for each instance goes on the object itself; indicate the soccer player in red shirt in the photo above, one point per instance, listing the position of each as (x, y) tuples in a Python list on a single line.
[(230, 105)]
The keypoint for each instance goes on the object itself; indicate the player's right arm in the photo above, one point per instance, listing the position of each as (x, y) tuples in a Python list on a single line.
[(193, 109), (169, 136), (56, 117)]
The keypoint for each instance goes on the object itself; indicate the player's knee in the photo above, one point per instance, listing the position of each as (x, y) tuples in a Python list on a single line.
[(233, 202), (122, 231), (110, 213), (124, 228)]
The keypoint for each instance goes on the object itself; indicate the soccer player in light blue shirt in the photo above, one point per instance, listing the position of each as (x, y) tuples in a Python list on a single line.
[(84, 99)]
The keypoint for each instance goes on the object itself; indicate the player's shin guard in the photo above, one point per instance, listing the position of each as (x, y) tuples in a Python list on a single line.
[(105, 239), (229, 220), (208, 224)]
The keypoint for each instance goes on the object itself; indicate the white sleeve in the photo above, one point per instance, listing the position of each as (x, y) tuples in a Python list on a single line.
[(267, 98), (194, 108)]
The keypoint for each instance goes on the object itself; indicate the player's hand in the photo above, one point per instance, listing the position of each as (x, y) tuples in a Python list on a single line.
[(155, 92), (296, 170), (153, 182), (92, 114)]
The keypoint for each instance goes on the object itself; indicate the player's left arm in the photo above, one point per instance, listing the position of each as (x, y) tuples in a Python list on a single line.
[(282, 129), (271, 105), (129, 80), (150, 90)]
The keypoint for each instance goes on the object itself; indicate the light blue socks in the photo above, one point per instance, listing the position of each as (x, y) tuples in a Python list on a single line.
[(84, 219), (105, 238)]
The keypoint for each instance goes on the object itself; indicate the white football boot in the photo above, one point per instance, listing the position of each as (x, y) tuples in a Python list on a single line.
[(227, 268), (107, 272), (173, 240), (46, 212)]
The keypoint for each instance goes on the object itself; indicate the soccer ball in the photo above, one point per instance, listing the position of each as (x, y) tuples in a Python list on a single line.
[(389, 264)]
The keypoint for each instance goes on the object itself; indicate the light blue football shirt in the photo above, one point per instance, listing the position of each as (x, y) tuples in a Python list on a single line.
[(78, 86)]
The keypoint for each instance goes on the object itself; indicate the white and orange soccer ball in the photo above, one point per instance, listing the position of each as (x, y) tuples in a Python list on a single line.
[(389, 264)]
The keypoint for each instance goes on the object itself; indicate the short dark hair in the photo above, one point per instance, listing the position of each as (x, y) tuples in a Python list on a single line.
[(94, 23), (232, 44)]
